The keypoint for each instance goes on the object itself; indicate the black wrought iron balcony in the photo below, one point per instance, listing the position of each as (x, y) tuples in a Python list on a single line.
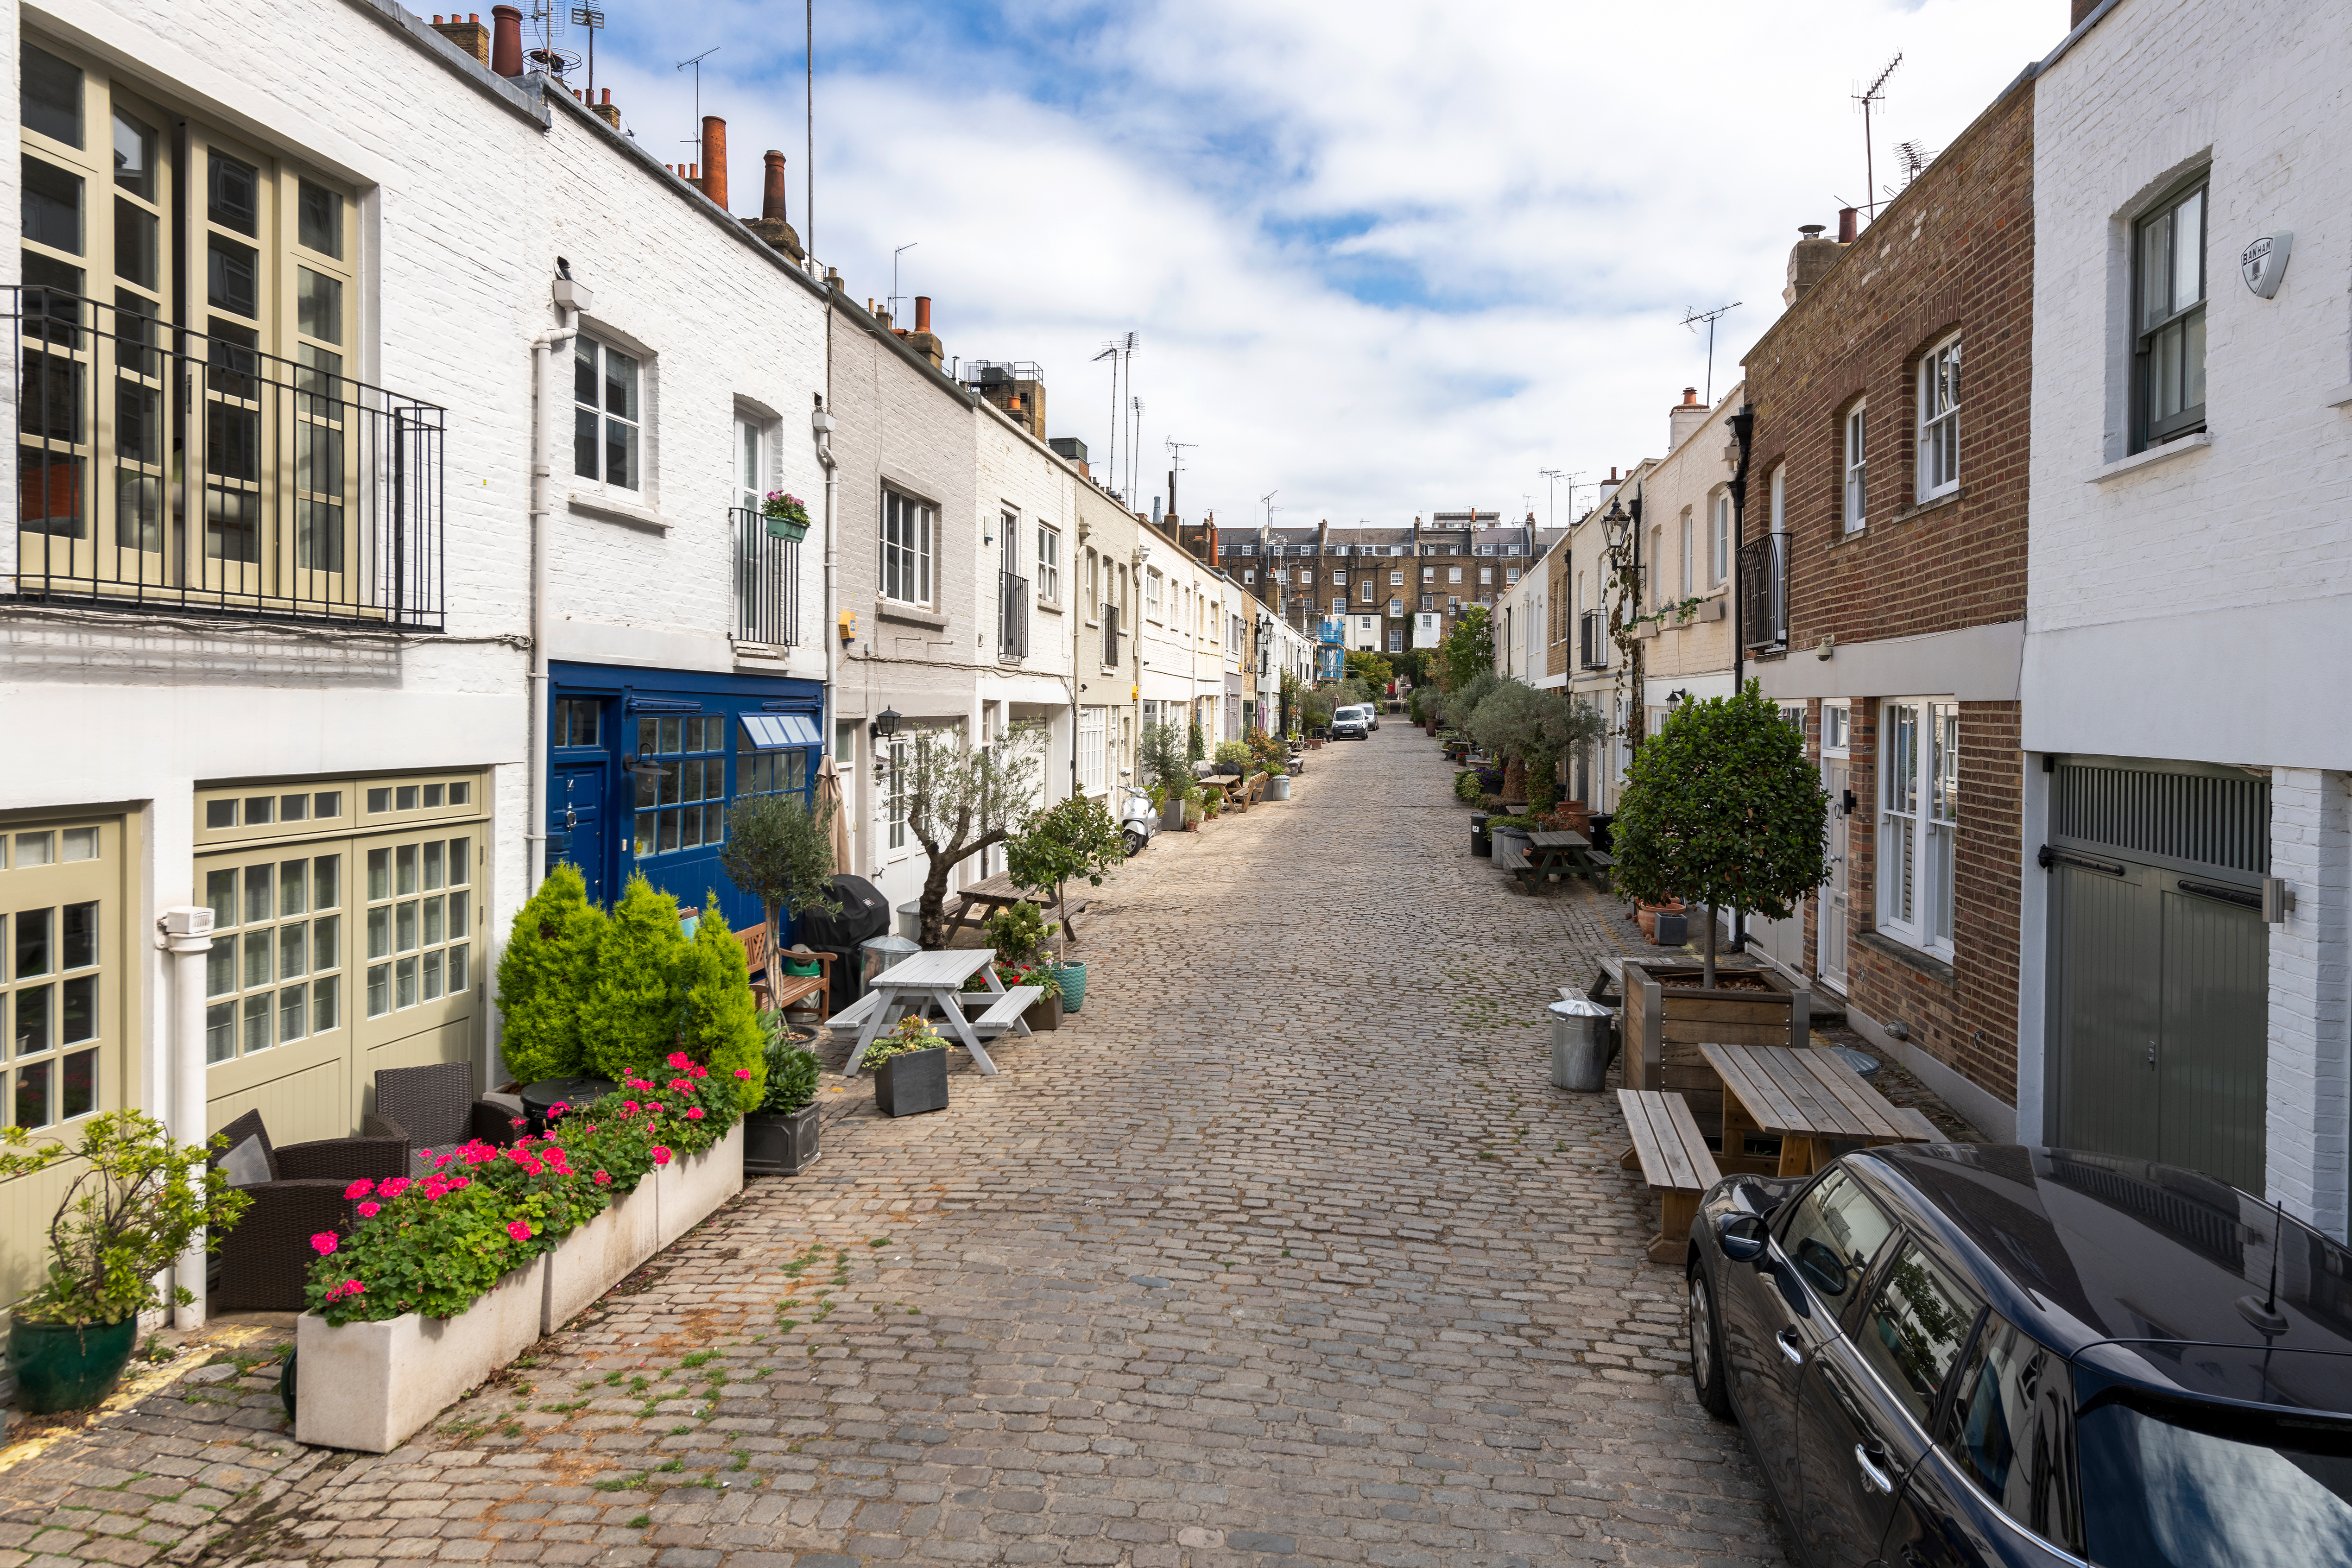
[(767, 582), (1012, 616), (1764, 592), (1593, 639), (1110, 633), (163, 468)]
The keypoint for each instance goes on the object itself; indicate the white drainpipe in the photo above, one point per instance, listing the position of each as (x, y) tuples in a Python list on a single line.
[(571, 299), (187, 933)]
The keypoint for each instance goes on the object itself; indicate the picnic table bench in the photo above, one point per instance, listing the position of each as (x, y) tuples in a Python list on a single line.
[(1558, 854), (984, 898), (1675, 1160), (1812, 1100)]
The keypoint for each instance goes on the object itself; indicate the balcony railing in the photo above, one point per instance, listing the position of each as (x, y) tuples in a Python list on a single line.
[(1012, 616), (163, 468), (1110, 633), (1764, 592), (1592, 641), (767, 582)]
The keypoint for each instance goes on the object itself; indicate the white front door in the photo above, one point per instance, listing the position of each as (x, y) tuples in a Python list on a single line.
[(1835, 776)]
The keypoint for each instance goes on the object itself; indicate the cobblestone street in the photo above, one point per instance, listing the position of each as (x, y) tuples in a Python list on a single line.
[(1284, 1248)]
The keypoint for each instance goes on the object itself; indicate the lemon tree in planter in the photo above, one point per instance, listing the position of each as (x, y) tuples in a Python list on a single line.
[(1721, 808)]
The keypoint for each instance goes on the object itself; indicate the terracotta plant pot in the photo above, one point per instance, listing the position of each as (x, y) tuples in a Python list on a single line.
[(1648, 914)]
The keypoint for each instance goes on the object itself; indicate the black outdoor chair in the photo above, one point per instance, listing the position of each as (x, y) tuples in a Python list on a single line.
[(260, 1263), (434, 1109)]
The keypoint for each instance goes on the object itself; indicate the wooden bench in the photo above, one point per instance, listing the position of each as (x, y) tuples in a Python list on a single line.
[(1674, 1161), (786, 989), (1006, 1012)]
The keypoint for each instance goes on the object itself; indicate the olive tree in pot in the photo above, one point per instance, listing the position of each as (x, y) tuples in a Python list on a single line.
[(779, 850), (1720, 808), (131, 1212), (780, 1139), (1535, 729), (1167, 772), (962, 799)]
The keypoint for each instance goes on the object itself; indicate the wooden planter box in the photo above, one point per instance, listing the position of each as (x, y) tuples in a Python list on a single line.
[(1666, 1023)]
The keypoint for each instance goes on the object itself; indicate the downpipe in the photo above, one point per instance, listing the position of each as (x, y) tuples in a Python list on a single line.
[(571, 300)]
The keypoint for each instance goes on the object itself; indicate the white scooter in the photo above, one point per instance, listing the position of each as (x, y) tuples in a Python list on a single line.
[(1136, 821)]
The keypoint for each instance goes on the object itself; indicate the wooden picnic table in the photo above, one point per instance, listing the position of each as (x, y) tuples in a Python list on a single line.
[(918, 982), (1560, 853), (984, 898), (1808, 1097)]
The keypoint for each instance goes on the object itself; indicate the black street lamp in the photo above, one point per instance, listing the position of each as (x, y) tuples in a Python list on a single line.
[(885, 725)]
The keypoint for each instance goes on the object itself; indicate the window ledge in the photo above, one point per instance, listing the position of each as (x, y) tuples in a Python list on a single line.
[(2340, 398), (1910, 957), (1053, 604), (2122, 467), (909, 615), (627, 512), (1921, 509)]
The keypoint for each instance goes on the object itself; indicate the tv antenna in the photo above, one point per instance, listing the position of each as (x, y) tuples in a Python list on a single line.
[(894, 295), (1118, 351), (696, 63), (551, 56), (1266, 500), (1135, 436), (1875, 93), (589, 18), (1553, 476), (1692, 319), (1914, 157)]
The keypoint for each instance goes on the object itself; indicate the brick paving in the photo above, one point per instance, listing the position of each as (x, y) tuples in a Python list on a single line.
[(1282, 1250)]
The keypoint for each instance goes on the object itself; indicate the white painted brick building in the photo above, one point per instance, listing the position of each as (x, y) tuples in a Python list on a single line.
[(2188, 622)]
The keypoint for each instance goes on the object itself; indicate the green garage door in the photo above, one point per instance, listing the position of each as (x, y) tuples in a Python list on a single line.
[(2158, 963)]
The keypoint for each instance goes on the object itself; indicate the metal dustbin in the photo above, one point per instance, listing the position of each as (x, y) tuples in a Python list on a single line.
[(883, 952), (1582, 1041)]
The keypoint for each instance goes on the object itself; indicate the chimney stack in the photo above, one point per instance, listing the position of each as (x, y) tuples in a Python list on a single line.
[(1811, 258), (606, 112), (468, 35), (506, 40), (1685, 417), (922, 339), (714, 160), (770, 225)]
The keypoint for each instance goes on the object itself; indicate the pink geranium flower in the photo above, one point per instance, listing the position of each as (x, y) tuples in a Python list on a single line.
[(604, 1179), (359, 1188), (743, 1072), (694, 1113), (394, 1187), (369, 1211), (323, 1242), (661, 1157), (518, 1229), (679, 1060), (628, 1108), (558, 1109)]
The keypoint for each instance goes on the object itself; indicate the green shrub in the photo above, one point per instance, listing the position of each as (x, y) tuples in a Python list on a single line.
[(1075, 837), (631, 1017), (1197, 746), (544, 975), (1233, 755), (1466, 786), (720, 1022), (793, 1069), (1016, 932)]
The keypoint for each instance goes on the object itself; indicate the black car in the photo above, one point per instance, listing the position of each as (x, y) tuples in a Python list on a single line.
[(1951, 1354)]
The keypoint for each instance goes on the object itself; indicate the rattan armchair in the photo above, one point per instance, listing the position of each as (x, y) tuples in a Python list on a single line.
[(261, 1263), (434, 1109)]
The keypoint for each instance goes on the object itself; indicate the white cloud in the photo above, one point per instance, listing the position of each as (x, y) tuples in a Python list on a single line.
[(1383, 257)]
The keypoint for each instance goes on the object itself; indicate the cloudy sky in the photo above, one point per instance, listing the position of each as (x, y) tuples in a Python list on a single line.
[(1380, 257)]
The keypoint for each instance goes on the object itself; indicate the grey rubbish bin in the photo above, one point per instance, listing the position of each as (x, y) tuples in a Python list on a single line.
[(1580, 1044)]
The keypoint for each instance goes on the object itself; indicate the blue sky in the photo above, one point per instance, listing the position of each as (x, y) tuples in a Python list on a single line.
[(1381, 257)]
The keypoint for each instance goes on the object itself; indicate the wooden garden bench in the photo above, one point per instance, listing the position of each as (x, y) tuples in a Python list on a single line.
[(786, 989), (1676, 1163), (1005, 1013)]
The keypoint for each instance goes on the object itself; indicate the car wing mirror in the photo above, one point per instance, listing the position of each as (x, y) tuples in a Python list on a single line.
[(1741, 1237)]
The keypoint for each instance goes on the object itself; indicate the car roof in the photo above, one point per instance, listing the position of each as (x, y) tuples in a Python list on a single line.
[(2080, 1249)]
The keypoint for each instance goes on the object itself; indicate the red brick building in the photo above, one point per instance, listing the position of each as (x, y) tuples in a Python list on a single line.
[(1883, 586)]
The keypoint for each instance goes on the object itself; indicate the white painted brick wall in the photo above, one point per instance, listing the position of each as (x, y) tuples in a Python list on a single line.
[(2310, 1089)]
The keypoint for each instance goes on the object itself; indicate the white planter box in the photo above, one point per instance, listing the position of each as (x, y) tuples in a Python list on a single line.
[(598, 1256), (685, 1190), (370, 1385)]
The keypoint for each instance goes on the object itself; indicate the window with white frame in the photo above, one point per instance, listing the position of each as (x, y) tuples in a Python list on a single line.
[(1339, 578), (907, 528), (1151, 592), (1485, 574), (1249, 577), (1718, 542), (1396, 579), (1453, 573), (1049, 562), (1091, 730), (2168, 319), (1918, 820), (1857, 468), (1781, 498), (1510, 574), (1338, 607), (1939, 420), (1429, 573), (1837, 718), (895, 759), (606, 416)]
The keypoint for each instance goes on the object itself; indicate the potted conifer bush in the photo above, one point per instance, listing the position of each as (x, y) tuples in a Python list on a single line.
[(127, 1215), (910, 1070), (780, 1139)]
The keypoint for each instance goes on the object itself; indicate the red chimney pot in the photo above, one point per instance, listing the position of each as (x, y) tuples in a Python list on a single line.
[(1848, 225), (506, 40), (1690, 400), (714, 158), (923, 313), (772, 189)]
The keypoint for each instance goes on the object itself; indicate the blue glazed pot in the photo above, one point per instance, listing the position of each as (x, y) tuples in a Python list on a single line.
[(1073, 977)]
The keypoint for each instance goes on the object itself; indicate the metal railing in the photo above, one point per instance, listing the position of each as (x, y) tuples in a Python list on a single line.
[(767, 582), (1012, 616), (158, 468), (1110, 633), (1764, 592), (1592, 641)]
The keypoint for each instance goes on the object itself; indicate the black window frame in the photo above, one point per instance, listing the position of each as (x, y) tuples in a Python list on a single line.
[(2148, 431)]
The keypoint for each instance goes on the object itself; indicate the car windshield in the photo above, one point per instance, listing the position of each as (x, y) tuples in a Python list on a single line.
[(2169, 1483)]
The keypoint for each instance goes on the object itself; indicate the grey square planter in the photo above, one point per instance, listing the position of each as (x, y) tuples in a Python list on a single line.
[(780, 1143), (912, 1084)]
